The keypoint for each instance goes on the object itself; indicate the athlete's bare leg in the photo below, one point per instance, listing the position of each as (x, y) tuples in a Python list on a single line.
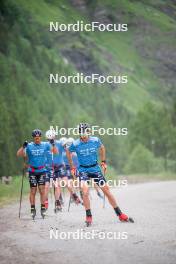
[(85, 192), (109, 195), (42, 193), (32, 194)]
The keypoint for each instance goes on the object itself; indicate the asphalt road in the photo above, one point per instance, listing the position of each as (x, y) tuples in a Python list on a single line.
[(150, 240)]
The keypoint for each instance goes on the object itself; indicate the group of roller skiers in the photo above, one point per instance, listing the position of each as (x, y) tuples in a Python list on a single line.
[(67, 160)]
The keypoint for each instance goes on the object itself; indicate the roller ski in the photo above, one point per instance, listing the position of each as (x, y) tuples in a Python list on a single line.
[(43, 212), (33, 213), (125, 218), (58, 207), (88, 221)]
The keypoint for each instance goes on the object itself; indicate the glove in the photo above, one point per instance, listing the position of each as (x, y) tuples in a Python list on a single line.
[(73, 171), (104, 165), (52, 142), (25, 144)]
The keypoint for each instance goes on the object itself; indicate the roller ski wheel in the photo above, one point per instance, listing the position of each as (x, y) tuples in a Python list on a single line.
[(125, 218), (130, 220), (88, 221), (33, 213)]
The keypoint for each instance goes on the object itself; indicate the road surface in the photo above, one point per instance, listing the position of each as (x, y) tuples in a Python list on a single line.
[(150, 240)]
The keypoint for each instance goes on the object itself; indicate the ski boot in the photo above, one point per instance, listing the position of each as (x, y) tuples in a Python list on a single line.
[(88, 220), (58, 207), (46, 204), (33, 213), (43, 212), (125, 218), (76, 198)]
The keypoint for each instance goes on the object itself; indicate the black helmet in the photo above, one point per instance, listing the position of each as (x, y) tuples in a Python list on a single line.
[(36, 132), (84, 128)]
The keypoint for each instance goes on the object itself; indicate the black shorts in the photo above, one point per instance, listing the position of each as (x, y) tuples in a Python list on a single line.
[(59, 172), (37, 178), (98, 177)]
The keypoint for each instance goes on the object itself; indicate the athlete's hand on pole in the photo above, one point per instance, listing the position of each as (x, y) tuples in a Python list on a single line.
[(25, 144), (73, 172), (52, 142), (104, 165)]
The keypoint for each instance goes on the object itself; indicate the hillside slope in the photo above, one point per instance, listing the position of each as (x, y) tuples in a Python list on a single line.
[(29, 53)]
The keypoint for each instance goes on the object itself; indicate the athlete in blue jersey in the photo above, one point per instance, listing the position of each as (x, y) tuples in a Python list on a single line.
[(68, 176), (55, 169), (68, 171), (87, 149), (74, 159), (35, 153)]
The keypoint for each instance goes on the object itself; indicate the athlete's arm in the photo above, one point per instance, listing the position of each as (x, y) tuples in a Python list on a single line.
[(54, 150), (21, 152), (69, 157), (53, 147), (102, 152)]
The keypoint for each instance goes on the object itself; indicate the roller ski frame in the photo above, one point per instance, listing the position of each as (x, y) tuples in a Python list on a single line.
[(130, 220)]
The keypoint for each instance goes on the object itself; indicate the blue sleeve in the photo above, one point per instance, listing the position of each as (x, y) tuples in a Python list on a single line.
[(99, 143), (62, 148), (72, 148), (47, 146)]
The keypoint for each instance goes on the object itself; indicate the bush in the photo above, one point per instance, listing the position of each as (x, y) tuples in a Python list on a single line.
[(141, 160)]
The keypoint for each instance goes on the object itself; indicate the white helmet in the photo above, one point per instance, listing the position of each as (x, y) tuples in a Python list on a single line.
[(63, 140), (50, 134), (69, 141)]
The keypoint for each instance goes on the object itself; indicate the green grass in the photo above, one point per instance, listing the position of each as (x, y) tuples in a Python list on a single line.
[(139, 178), (44, 12), (11, 193), (144, 10)]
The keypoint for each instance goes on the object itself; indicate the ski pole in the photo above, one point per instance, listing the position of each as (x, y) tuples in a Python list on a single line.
[(21, 192), (53, 172), (104, 200), (69, 203)]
